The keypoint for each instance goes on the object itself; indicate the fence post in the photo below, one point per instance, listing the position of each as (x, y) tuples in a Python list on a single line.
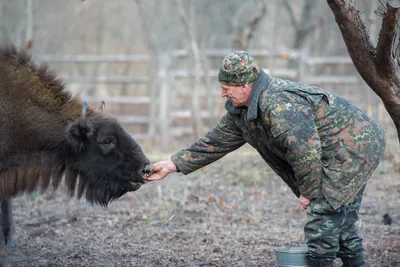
[(164, 61), (301, 66)]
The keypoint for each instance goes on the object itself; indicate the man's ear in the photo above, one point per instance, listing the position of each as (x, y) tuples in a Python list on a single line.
[(246, 88), (77, 135)]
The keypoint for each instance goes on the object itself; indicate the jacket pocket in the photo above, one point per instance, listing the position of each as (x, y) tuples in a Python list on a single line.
[(278, 129), (345, 167)]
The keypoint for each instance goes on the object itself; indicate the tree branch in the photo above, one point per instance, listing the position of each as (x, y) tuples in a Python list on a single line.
[(184, 20), (237, 38), (243, 37), (146, 28), (386, 39), (307, 24), (358, 43), (307, 13), (380, 1), (289, 9), (253, 23), (194, 48)]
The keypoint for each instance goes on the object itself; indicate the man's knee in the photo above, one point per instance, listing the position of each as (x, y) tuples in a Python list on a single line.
[(323, 249)]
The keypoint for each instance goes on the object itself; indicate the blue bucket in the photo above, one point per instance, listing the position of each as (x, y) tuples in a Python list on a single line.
[(291, 256)]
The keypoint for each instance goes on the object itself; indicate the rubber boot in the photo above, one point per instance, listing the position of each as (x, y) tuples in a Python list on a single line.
[(319, 263), (354, 262)]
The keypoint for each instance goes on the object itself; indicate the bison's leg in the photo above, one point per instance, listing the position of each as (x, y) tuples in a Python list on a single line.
[(4, 262), (8, 222)]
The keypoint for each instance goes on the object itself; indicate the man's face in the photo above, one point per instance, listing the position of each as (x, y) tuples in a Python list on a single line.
[(238, 95)]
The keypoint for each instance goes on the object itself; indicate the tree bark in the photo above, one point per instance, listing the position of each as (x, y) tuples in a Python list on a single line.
[(377, 66)]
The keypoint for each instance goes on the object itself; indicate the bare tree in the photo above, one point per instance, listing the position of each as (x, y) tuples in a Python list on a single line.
[(379, 65), (245, 29), (29, 25), (151, 42), (195, 54), (303, 26), (98, 48), (14, 21)]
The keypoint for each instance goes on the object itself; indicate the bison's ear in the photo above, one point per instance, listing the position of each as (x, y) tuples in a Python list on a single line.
[(77, 135), (102, 106)]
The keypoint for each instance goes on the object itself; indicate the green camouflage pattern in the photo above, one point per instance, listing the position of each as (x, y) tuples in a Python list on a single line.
[(318, 143), (238, 68), (332, 233)]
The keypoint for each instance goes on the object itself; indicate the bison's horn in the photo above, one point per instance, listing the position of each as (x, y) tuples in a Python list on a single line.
[(101, 107), (83, 111)]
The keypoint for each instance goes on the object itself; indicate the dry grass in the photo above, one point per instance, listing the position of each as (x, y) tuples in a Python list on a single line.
[(232, 213)]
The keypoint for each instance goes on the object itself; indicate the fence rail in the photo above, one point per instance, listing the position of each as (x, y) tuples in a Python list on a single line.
[(120, 99), (173, 120), (107, 79), (93, 58)]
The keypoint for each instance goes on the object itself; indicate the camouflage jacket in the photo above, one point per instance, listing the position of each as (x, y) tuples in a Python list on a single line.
[(318, 143)]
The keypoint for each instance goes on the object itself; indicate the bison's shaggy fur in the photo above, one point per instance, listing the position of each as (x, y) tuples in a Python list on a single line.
[(36, 102), (36, 112), (47, 134)]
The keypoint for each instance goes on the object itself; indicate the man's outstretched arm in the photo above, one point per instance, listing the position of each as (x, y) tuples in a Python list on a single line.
[(223, 139)]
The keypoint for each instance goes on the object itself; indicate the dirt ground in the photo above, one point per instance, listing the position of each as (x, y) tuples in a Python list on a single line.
[(231, 213)]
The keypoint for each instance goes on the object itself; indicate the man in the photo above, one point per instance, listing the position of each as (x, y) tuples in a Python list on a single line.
[(323, 147)]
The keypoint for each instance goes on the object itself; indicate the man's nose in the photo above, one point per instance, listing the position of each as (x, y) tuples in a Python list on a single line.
[(223, 94)]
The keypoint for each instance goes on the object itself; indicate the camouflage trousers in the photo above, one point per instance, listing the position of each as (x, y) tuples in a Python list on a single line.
[(332, 233)]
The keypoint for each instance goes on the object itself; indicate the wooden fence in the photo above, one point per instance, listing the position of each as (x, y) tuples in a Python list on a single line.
[(171, 124)]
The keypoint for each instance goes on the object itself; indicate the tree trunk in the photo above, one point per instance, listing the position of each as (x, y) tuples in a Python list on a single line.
[(304, 27), (195, 53), (151, 41), (246, 28), (378, 66), (29, 24)]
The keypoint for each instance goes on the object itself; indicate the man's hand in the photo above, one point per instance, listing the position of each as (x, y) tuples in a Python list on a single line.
[(160, 170), (303, 202)]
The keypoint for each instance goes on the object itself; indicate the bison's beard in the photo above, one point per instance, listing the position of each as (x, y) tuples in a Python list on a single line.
[(99, 190), (103, 195)]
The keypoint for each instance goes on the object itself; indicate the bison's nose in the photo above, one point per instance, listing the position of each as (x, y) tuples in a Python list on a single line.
[(146, 171)]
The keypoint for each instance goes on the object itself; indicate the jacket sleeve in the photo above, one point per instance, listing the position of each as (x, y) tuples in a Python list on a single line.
[(223, 139), (293, 129)]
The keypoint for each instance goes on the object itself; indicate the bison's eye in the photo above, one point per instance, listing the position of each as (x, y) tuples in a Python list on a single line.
[(107, 142), (106, 145)]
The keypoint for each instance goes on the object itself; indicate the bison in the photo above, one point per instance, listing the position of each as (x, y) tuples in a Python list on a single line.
[(47, 135)]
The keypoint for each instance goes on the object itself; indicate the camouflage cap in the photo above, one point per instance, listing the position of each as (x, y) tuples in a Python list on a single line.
[(238, 68)]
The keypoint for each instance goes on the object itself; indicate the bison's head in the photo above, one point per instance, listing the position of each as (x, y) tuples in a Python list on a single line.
[(107, 160)]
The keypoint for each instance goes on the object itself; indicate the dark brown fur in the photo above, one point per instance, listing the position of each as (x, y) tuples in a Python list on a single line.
[(35, 109), (46, 134), (33, 96)]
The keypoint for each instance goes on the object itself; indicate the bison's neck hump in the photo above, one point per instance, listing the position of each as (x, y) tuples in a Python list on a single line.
[(34, 105), (31, 84)]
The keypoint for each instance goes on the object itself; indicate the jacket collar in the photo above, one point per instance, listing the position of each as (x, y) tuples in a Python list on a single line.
[(261, 83)]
